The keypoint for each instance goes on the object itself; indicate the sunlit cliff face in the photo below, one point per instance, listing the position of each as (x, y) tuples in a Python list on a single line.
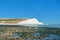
[(22, 21), (31, 21)]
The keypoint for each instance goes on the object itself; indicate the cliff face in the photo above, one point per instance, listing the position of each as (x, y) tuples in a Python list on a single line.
[(30, 21), (21, 21)]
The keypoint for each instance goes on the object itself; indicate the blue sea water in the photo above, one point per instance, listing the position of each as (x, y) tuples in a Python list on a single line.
[(50, 26)]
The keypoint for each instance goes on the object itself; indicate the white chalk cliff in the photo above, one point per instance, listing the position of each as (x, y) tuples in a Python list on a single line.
[(32, 21), (25, 22)]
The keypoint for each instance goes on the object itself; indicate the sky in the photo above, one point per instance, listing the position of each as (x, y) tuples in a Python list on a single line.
[(46, 11)]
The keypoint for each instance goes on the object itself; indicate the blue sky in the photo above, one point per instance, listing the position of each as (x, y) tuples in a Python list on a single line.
[(47, 11)]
